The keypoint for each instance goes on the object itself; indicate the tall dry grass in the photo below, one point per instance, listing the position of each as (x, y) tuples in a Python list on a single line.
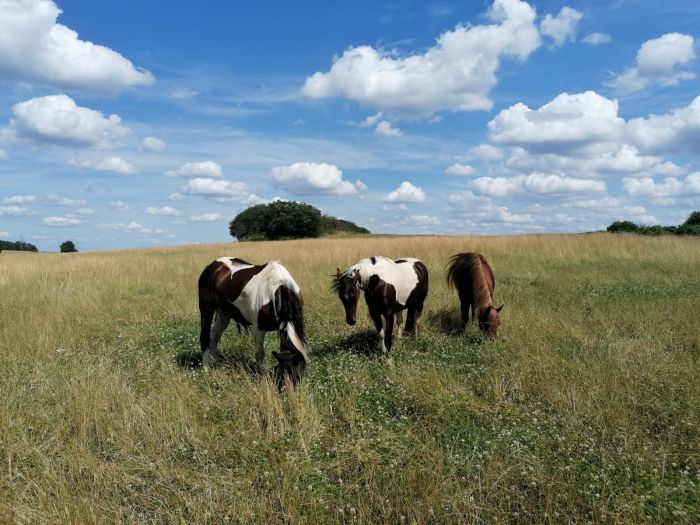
[(586, 408)]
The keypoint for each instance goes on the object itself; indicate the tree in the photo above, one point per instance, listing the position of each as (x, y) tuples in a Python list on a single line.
[(623, 227), (68, 247), (249, 224), (292, 220), (693, 219)]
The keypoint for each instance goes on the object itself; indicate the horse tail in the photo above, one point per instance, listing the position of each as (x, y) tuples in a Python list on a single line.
[(291, 317), (453, 268)]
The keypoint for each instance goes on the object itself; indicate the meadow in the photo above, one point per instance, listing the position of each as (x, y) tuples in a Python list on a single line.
[(586, 408)]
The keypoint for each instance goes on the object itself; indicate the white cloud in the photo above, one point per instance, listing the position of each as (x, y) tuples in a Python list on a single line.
[(674, 132), (131, 227), (112, 164), (4, 234), (165, 210), (85, 211), (670, 187), (61, 221), (361, 186), (405, 193), (206, 217), (385, 129), (15, 211), (657, 63), (372, 120), (20, 199), (215, 188), (35, 49), (536, 183), (56, 200), (461, 67), (568, 121), (460, 169), (153, 144), (486, 152), (118, 205), (308, 178), (562, 27), (596, 39), (57, 119), (421, 220), (207, 168), (508, 217)]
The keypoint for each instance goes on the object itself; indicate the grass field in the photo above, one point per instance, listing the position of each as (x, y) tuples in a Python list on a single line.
[(585, 409)]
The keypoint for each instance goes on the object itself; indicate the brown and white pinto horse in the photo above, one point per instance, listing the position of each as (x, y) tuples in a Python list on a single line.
[(264, 297), (471, 274), (390, 287)]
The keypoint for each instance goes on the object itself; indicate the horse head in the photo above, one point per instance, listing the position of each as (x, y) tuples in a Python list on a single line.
[(347, 285), (489, 320), (290, 366)]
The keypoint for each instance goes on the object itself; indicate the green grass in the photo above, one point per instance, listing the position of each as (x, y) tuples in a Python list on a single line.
[(585, 409)]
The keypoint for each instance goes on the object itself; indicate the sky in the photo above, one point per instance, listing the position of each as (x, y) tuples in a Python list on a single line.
[(135, 124)]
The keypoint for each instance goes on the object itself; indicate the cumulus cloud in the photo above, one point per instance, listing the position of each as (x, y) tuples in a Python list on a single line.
[(657, 63), (20, 199), (460, 169), (536, 183), (207, 168), (57, 119), (406, 193), (308, 178), (675, 132), (113, 164), (35, 49), (118, 205), (461, 66), (165, 210), (670, 187), (421, 220), (15, 211), (130, 227), (566, 122), (597, 39), (215, 188), (562, 27), (206, 217), (153, 144), (486, 152), (61, 221), (385, 129)]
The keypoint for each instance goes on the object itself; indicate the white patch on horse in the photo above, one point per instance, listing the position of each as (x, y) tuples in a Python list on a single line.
[(232, 266), (402, 276), (256, 292)]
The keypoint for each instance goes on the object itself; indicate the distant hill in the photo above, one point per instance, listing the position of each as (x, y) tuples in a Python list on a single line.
[(288, 220), (18, 246)]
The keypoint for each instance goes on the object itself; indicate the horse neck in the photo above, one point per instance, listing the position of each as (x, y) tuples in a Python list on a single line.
[(480, 286)]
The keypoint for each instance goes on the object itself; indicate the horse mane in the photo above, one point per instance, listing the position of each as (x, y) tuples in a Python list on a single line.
[(338, 279), (471, 268)]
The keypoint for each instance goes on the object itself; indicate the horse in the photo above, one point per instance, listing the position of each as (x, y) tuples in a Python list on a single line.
[(390, 287), (471, 274), (263, 297)]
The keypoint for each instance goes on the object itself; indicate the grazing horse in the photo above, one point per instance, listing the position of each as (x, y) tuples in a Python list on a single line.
[(390, 287), (263, 297), (471, 274)]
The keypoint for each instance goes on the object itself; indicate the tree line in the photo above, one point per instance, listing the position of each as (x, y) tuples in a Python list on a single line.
[(287, 220), (691, 226)]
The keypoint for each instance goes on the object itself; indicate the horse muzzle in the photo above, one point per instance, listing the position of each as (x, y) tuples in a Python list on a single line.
[(350, 321)]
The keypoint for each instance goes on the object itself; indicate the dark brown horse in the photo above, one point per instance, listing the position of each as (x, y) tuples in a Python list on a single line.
[(264, 297), (472, 276)]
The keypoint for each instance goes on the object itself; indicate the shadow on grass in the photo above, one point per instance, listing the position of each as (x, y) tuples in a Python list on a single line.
[(359, 343), (448, 322), (192, 360)]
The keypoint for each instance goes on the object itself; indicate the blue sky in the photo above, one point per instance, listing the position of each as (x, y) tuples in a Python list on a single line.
[(130, 124)]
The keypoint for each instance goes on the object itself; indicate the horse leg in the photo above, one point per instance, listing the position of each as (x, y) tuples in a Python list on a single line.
[(465, 301), (206, 314), (399, 324), (211, 356), (259, 336), (379, 325), (386, 341)]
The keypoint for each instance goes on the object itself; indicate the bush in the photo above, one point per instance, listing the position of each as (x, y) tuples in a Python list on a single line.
[(286, 220), (690, 227), (623, 227), (68, 247)]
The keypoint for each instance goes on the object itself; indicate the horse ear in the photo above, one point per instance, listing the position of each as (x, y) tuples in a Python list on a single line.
[(276, 355), (500, 308), (337, 272)]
